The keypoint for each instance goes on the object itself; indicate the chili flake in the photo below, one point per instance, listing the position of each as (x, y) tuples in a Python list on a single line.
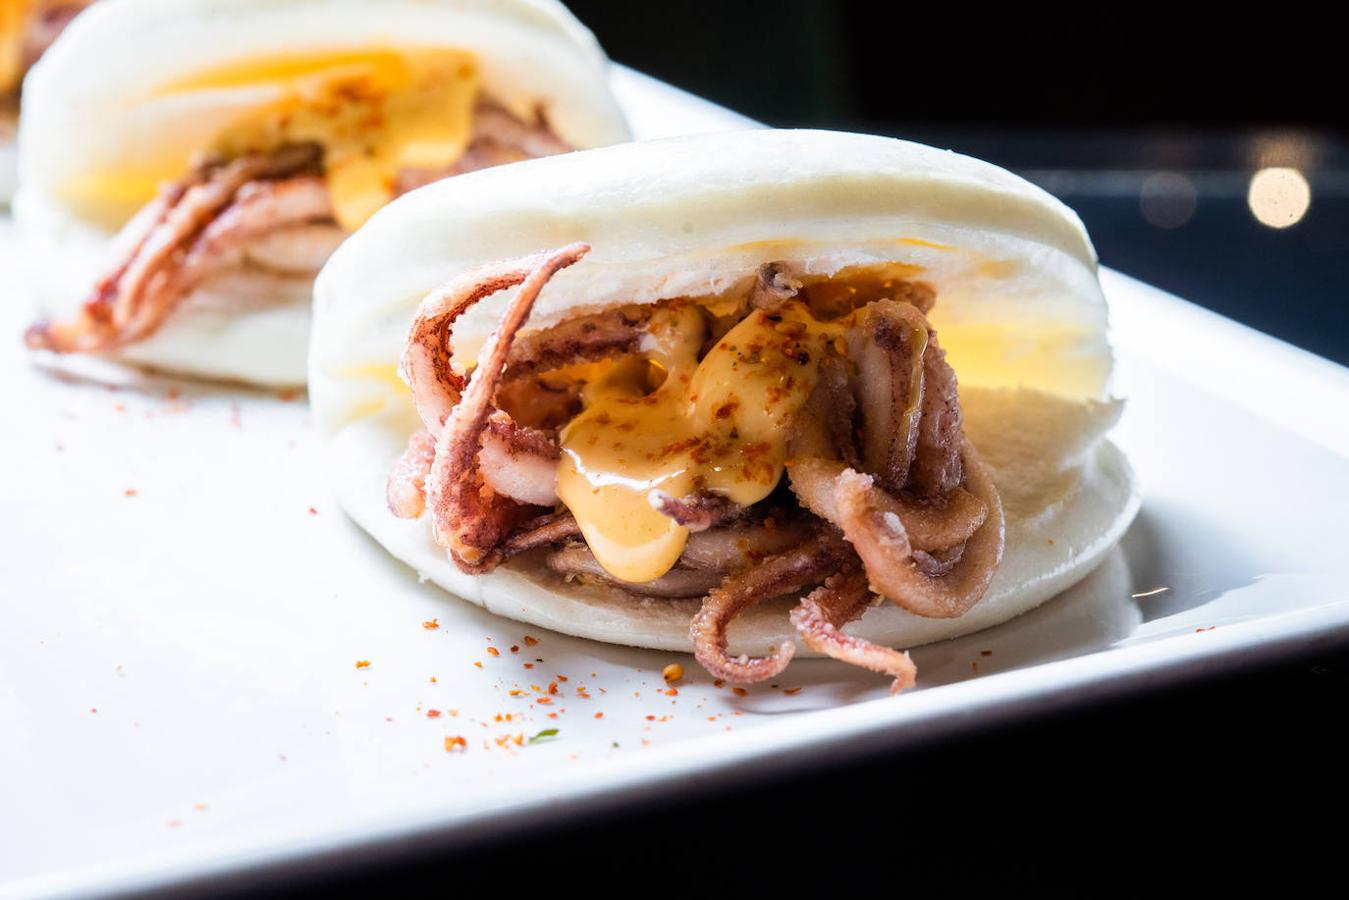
[(456, 743), (362, 663), (531, 641), (493, 651), (431, 624)]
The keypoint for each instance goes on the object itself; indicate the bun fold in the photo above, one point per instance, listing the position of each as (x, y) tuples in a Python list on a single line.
[(391, 93), (998, 271)]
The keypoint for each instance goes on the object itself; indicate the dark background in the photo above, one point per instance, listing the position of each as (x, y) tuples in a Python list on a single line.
[(1225, 783), (1088, 102)]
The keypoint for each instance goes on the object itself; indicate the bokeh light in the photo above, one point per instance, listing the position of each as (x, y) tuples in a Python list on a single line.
[(1168, 199), (1279, 197)]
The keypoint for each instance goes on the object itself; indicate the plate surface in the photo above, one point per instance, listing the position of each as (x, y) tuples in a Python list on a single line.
[(186, 618)]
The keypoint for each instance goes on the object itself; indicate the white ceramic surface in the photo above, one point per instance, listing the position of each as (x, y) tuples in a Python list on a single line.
[(183, 609)]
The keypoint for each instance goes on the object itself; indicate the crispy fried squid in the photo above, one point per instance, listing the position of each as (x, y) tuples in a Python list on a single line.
[(265, 212), (884, 497)]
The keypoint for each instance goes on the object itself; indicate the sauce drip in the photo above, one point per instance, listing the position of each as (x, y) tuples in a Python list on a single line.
[(374, 112), (715, 425)]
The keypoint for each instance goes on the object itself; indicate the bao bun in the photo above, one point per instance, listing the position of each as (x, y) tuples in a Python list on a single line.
[(91, 104), (692, 216)]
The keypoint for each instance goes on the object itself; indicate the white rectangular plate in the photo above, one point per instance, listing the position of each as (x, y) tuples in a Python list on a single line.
[(185, 615)]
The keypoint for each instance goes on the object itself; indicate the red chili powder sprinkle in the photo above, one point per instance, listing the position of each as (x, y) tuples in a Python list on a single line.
[(529, 665), (985, 652), (792, 692), (531, 641), (552, 687), (651, 718), (718, 683), (493, 651), (478, 664), (545, 700), (455, 743), (562, 678), (740, 692), (599, 715), (362, 663), (431, 624), (433, 714), (313, 512), (515, 648), (130, 492), (672, 692)]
